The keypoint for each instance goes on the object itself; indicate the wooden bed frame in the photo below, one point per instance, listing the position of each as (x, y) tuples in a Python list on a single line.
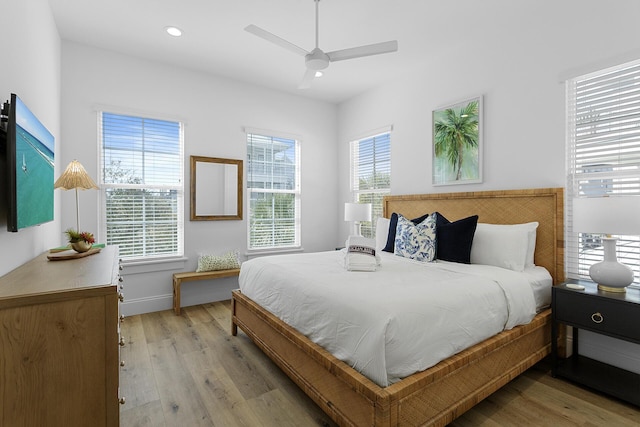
[(443, 392)]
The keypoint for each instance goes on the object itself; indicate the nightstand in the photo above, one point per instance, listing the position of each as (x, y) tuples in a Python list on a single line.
[(615, 315)]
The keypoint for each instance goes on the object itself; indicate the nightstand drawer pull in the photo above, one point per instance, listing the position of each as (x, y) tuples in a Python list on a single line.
[(597, 317)]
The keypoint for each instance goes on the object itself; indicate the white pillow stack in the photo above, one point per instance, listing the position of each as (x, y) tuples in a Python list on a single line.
[(506, 246)]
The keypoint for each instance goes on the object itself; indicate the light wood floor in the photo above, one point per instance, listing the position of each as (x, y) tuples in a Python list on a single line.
[(189, 371)]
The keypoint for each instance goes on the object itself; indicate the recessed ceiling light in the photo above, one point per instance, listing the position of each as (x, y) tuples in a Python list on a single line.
[(319, 74), (174, 31)]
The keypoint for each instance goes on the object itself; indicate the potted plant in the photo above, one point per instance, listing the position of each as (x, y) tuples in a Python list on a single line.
[(81, 241)]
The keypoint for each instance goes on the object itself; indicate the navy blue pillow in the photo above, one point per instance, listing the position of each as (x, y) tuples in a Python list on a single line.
[(454, 239), (393, 224)]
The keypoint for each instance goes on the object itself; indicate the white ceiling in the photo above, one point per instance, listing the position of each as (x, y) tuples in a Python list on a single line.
[(214, 40)]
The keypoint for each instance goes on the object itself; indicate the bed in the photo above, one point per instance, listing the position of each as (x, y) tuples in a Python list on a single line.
[(438, 395)]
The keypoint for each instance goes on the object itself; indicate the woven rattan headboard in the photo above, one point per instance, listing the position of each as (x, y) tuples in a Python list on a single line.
[(545, 205)]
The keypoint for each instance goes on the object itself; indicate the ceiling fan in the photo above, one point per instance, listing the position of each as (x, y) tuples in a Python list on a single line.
[(316, 59)]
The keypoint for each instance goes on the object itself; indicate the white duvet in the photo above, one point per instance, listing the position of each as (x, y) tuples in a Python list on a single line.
[(388, 324)]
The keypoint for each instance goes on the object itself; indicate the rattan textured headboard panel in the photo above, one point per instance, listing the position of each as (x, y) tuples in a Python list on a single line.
[(545, 205)]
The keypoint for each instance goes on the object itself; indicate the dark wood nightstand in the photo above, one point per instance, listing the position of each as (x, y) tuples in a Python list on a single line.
[(615, 315)]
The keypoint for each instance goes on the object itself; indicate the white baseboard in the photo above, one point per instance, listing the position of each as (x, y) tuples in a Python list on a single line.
[(609, 350), (623, 354), (131, 307), (194, 294)]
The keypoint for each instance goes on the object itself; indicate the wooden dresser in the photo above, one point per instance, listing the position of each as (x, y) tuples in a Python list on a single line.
[(59, 335)]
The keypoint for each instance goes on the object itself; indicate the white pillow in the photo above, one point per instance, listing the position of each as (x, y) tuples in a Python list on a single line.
[(382, 232), (506, 246), (531, 227)]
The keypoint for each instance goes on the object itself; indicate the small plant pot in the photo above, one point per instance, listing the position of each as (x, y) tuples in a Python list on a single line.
[(81, 246)]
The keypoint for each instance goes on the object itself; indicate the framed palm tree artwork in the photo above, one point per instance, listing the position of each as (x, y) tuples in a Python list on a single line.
[(457, 143)]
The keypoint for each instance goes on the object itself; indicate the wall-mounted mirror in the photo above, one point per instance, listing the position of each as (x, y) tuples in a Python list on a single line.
[(216, 188)]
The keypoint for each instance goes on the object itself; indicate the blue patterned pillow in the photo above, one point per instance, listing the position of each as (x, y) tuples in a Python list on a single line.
[(393, 223), (416, 241)]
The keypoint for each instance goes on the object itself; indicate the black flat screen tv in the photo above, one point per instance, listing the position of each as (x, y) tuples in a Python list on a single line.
[(29, 165)]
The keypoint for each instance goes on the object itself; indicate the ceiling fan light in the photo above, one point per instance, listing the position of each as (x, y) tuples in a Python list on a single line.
[(319, 73), (316, 60), (173, 31)]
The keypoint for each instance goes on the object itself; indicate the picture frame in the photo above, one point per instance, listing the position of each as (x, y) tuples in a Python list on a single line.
[(216, 189), (455, 162)]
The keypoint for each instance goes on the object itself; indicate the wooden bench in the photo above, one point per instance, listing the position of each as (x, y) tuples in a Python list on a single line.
[(190, 276)]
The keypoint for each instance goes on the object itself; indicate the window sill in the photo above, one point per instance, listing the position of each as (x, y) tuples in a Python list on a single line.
[(278, 251), (153, 265)]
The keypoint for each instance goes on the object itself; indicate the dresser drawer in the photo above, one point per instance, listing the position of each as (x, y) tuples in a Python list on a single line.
[(611, 317)]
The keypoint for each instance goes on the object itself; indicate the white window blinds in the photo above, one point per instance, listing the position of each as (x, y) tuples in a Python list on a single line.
[(603, 154), (273, 187), (142, 185), (371, 175)]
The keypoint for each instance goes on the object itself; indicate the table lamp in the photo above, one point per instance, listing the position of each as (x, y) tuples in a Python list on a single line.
[(608, 215), (357, 212), (74, 177)]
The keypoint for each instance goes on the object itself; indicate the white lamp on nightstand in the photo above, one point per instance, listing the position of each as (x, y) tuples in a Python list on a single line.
[(357, 212), (608, 215)]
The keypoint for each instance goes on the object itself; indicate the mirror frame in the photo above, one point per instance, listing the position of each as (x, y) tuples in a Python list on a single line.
[(194, 187)]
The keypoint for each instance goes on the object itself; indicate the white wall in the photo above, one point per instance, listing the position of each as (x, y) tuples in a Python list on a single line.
[(214, 110), (31, 69), (520, 76)]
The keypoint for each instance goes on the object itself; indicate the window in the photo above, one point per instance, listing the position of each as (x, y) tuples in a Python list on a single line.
[(371, 175), (603, 156), (141, 185), (273, 188)]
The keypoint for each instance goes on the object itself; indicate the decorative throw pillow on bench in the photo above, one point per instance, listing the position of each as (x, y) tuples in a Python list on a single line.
[(227, 261)]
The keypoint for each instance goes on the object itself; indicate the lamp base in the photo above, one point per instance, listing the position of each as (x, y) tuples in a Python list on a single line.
[(358, 228), (611, 289), (610, 275)]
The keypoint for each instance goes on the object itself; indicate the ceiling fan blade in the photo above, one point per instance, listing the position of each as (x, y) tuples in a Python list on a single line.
[(307, 79), (275, 39), (368, 50)]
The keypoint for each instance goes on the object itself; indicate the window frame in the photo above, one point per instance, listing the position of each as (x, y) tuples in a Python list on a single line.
[(178, 253), (600, 157), (295, 191), (370, 195)]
